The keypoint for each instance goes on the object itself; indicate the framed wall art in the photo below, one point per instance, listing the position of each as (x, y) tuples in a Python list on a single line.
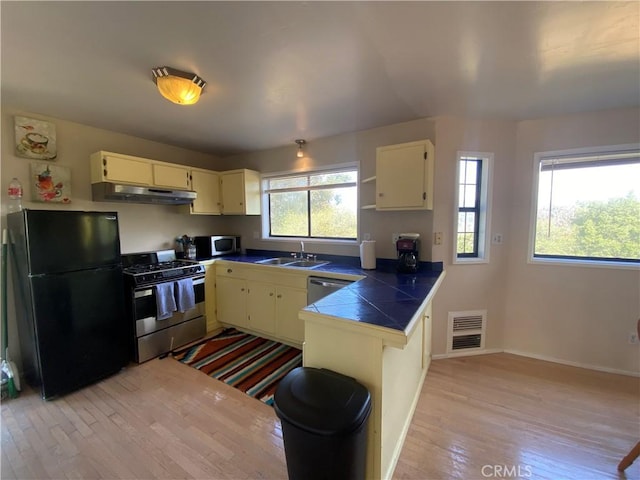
[(50, 183), (35, 139)]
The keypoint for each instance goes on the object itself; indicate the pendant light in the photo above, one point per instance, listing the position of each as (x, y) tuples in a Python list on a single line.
[(300, 143), (179, 87)]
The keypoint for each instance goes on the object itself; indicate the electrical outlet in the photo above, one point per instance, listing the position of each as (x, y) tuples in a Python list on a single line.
[(394, 238), (497, 238), (437, 238), (367, 236), (633, 338)]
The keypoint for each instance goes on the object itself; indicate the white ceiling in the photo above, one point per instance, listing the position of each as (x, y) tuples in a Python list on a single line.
[(278, 71)]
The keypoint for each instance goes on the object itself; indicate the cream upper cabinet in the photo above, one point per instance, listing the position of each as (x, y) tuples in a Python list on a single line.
[(171, 176), (116, 167), (120, 168), (240, 192), (261, 307), (207, 185), (404, 176)]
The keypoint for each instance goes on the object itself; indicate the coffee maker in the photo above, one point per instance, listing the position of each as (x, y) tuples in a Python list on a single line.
[(407, 246)]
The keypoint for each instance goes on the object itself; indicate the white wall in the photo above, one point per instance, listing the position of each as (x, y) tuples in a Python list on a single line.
[(574, 314), (142, 227), (351, 147), (476, 286)]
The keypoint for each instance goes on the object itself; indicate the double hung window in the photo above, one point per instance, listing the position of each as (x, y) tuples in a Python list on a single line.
[(472, 207)]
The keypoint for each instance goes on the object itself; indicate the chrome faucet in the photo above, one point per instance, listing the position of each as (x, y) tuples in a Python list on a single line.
[(301, 249)]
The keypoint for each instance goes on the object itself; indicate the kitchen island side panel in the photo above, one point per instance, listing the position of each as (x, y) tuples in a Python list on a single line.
[(394, 377)]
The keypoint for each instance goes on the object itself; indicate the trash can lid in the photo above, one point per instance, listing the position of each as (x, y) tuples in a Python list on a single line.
[(322, 401)]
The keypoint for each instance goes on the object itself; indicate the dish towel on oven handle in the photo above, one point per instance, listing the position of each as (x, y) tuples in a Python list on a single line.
[(165, 300), (185, 295)]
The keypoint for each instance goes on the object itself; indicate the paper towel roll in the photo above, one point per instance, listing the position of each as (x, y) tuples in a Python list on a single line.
[(368, 254)]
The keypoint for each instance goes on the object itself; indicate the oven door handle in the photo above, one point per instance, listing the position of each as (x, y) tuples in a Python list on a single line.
[(149, 291)]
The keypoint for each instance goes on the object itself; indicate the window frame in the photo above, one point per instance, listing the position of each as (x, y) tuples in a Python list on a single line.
[(266, 214), (539, 157), (483, 220)]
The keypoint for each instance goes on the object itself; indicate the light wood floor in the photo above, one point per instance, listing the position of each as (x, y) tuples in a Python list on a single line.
[(490, 416)]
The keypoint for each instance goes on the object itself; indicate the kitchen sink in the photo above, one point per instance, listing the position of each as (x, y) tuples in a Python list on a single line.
[(292, 262), (306, 263), (277, 261)]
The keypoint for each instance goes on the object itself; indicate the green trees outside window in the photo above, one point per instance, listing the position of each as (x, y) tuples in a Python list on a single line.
[(588, 207), (314, 205)]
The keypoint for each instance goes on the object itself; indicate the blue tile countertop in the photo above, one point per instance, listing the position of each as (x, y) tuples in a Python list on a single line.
[(384, 298)]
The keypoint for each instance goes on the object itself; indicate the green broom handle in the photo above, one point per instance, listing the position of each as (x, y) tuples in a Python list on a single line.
[(5, 340)]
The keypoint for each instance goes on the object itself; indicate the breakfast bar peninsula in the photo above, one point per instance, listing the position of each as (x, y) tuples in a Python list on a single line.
[(378, 331)]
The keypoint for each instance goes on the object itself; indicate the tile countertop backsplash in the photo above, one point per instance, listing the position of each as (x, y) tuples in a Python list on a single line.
[(384, 297)]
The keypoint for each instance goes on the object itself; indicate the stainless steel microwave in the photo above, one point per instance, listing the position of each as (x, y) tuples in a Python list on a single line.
[(216, 245)]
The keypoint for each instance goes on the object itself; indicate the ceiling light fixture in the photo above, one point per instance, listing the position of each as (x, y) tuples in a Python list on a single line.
[(300, 143), (177, 86)]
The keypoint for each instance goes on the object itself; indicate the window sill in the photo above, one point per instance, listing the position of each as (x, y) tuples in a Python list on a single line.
[(315, 241), (470, 261), (567, 262)]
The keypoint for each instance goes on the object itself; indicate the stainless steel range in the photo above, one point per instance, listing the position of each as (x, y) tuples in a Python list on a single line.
[(160, 326)]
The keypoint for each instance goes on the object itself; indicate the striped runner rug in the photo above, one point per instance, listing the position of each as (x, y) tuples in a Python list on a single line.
[(251, 364)]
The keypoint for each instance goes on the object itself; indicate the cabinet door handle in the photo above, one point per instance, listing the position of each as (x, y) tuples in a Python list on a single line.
[(242, 289), (229, 270), (381, 194), (279, 295)]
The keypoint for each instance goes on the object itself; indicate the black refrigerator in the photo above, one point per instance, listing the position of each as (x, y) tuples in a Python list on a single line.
[(69, 297)]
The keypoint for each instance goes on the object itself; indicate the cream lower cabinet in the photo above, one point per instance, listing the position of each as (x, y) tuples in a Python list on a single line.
[(393, 367), (231, 299), (210, 297), (273, 309), (289, 301), (261, 300), (261, 307), (426, 340)]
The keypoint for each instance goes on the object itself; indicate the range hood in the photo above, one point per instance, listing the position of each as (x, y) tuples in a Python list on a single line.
[(114, 192)]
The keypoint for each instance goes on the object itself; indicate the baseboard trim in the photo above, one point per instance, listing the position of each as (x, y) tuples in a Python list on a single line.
[(466, 354), (573, 364), (545, 358)]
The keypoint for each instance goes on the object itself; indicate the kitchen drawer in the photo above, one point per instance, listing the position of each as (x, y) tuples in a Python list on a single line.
[(282, 276), (228, 269), (288, 277), (163, 341)]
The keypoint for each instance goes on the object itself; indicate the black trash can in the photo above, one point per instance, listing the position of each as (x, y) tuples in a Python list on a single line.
[(324, 424)]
